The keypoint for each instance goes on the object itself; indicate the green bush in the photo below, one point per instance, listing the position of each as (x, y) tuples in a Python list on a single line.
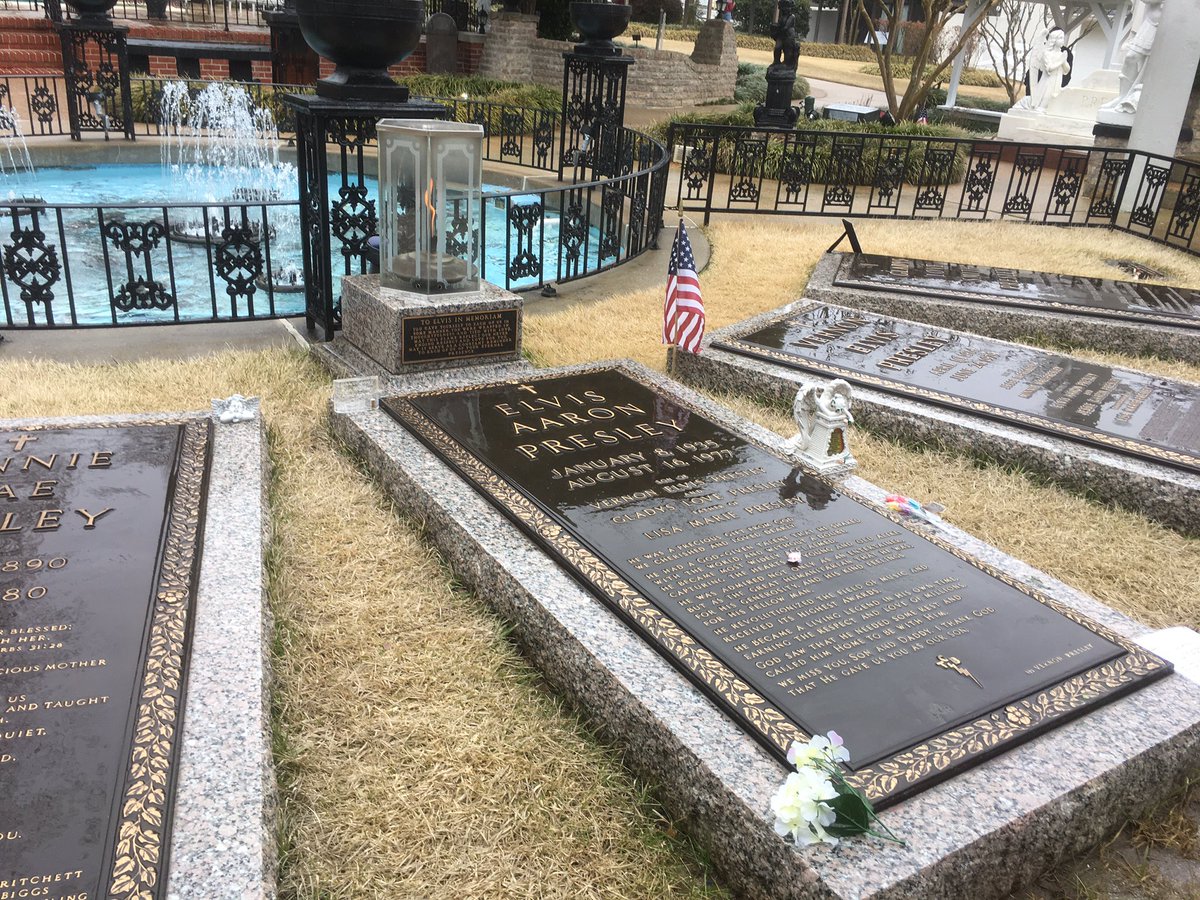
[(913, 162), (836, 51), (937, 97), (752, 84), (973, 77)]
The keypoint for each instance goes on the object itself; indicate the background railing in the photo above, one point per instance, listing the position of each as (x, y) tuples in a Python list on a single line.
[(733, 169)]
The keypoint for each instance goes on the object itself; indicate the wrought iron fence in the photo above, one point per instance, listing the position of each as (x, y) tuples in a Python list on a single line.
[(747, 170), (39, 103), (75, 265), (152, 263)]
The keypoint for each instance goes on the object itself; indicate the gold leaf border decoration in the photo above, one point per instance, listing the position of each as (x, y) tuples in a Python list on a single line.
[(140, 850), (882, 781)]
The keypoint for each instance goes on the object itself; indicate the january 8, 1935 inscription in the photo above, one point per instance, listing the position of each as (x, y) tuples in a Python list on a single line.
[(1127, 412), (98, 546), (892, 638)]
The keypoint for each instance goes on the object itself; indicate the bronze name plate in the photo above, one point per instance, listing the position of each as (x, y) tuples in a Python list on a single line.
[(1127, 412), (1107, 298), (925, 659), (99, 547), (461, 335)]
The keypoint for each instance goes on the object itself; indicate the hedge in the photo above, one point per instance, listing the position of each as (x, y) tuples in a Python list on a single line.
[(821, 156), (973, 77)]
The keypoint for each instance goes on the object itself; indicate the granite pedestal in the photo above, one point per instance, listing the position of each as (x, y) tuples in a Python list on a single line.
[(406, 332)]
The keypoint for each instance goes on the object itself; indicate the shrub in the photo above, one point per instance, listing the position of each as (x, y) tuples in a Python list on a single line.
[(913, 162), (973, 77), (837, 51), (752, 84)]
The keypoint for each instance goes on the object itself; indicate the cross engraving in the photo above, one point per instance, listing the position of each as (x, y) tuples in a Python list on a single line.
[(954, 664), (528, 387), (20, 441)]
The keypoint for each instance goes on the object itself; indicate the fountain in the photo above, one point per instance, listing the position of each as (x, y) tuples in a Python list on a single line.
[(16, 166), (220, 147)]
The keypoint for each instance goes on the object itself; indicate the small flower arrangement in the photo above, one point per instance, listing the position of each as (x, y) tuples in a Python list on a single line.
[(816, 804)]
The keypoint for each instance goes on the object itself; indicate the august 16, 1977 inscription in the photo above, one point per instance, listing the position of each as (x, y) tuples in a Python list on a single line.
[(685, 528), (1127, 412), (98, 541)]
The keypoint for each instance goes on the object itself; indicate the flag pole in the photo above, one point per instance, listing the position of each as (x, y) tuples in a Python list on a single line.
[(672, 348)]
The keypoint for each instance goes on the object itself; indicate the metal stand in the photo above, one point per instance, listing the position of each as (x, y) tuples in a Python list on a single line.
[(593, 111), (95, 57), (345, 127)]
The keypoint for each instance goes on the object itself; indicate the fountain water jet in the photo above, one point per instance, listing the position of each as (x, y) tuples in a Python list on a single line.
[(16, 165)]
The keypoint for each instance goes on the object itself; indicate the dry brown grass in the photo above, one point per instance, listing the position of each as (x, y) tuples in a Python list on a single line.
[(419, 756)]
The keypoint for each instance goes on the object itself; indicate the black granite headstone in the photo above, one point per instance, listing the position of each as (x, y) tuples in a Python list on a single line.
[(1126, 412), (99, 531), (1130, 301), (923, 658)]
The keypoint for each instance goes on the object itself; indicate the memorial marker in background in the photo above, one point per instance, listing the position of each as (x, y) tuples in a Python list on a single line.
[(99, 545)]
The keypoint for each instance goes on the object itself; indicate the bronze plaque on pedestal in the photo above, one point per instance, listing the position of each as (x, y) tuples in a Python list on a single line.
[(461, 335), (100, 531), (925, 659)]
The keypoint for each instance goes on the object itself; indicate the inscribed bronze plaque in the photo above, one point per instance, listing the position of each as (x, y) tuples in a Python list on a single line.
[(1115, 409), (99, 547), (458, 335), (923, 658), (1131, 301)]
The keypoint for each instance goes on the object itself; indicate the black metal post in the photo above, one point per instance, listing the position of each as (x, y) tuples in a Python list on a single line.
[(95, 57), (593, 112), (346, 212)]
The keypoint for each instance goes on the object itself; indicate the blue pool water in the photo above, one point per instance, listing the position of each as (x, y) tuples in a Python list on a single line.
[(98, 269)]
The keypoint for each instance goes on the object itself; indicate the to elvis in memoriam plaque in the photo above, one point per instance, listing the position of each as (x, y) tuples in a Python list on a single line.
[(922, 658), (99, 543)]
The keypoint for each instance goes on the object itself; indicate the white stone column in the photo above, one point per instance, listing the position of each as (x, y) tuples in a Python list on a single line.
[(1168, 81)]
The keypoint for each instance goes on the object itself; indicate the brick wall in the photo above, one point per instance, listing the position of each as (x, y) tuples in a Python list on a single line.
[(514, 52), (29, 44)]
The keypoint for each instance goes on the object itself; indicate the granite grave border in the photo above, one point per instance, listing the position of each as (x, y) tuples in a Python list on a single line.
[(1160, 492), (982, 834), (1006, 322), (223, 843)]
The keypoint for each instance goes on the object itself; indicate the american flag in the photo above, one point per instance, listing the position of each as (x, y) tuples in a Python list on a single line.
[(683, 314)]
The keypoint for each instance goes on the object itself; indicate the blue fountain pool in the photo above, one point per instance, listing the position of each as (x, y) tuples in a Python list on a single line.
[(96, 269)]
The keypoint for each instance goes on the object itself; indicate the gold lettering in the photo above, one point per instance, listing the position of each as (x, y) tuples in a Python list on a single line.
[(48, 520), (43, 489), (91, 518), (102, 459), (44, 463)]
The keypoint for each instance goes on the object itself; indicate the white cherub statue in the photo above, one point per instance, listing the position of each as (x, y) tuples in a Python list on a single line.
[(822, 414)]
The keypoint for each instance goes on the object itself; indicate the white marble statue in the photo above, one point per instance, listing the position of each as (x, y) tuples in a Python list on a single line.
[(1047, 65), (822, 414), (234, 409), (1147, 14)]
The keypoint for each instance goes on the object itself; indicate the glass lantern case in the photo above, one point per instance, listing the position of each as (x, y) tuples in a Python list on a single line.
[(430, 177)]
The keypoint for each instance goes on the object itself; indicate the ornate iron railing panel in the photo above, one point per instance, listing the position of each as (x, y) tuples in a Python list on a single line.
[(39, 103), (74, 265), (729, 168)]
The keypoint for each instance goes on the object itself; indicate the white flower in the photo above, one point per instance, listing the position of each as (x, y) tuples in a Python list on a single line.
[(829, 747), (800, 809)]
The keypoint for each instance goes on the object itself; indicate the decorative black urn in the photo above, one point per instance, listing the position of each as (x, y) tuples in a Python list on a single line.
[(93, 12), (362, 38), (598, 24)]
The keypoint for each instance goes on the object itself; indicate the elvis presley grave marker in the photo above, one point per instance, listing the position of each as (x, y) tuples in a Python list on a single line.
[(924, 659), (99, 543)]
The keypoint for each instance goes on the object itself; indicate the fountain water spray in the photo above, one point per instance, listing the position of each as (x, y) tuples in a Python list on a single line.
[(16, 166), (221, 147)]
